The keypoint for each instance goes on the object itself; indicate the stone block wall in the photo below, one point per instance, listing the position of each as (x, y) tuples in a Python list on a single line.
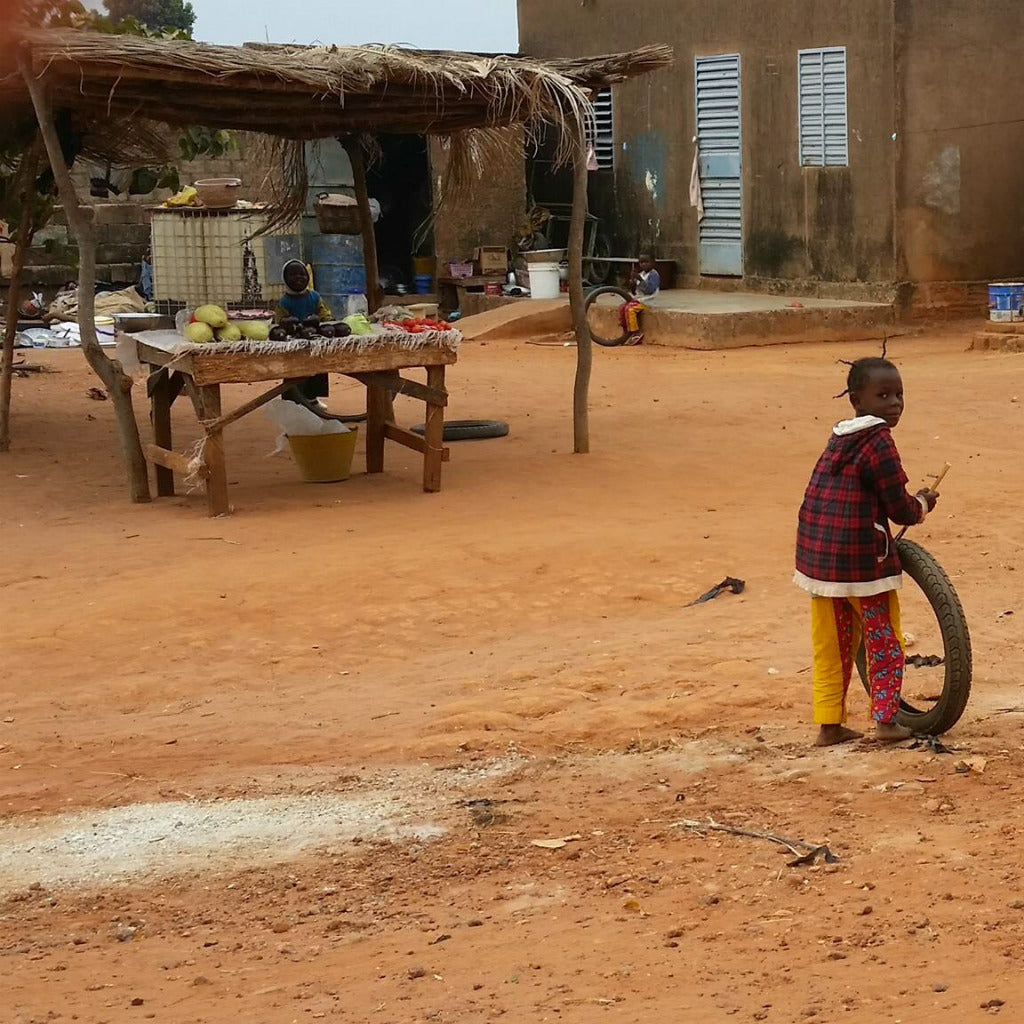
[(123, 223)]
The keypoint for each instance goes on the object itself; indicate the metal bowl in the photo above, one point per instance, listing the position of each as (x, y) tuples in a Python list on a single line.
[(132, 323)]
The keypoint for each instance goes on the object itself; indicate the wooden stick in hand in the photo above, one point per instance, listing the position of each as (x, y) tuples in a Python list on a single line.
[(939, 477)]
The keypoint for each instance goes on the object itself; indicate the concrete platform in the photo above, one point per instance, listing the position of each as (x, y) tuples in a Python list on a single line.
[(697, 319), (703, 319), (997, 337)]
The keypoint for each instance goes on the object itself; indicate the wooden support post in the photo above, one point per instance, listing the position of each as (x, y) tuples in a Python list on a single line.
[(357, 157), (160, 413), (251, 406), (408, 439), (213, 453), (577, 300), (173, 461), (378, 413), (27, 172), (396, 384), (433, 434), (80, 221)]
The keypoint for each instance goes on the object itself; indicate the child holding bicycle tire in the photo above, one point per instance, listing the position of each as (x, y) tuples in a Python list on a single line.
[(847, 560)]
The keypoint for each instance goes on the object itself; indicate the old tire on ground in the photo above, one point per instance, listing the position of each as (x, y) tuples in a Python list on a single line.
[(469, 430), (592, 297), (927, 574)]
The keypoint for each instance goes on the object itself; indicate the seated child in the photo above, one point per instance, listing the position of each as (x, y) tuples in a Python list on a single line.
[(645, 284), (300, 301)]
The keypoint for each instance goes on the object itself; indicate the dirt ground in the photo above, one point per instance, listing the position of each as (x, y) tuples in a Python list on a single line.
[(290, 765)]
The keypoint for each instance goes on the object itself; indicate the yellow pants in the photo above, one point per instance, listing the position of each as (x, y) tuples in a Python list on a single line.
[(838, 625)]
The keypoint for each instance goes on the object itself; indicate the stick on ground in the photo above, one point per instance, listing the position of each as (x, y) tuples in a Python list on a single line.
[(805, 853)]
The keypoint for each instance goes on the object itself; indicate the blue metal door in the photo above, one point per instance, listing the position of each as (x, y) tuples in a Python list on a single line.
[(720, 142)]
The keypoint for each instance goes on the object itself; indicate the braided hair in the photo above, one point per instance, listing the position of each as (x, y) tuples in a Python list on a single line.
[(861, 370)]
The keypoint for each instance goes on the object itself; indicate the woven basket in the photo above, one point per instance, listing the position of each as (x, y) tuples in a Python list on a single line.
[(338, 215), (218, 193)]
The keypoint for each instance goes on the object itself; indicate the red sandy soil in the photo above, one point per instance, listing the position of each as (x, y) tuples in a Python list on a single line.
[(534, 614)]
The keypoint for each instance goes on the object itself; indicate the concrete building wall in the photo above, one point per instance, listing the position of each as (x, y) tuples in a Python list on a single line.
[(961, 184), (489, 215), (832, 224)]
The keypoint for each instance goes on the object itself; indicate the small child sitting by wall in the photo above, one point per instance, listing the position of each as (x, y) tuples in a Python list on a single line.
[(644, 284)]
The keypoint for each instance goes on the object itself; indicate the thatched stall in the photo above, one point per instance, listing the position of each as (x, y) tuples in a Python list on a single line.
[(294, 94)]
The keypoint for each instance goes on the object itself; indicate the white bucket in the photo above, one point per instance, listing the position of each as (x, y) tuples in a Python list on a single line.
[(544, 281)]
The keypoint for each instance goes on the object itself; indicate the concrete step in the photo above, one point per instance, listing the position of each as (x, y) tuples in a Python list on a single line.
[(1004, 328), (995, 341), (715, 331)]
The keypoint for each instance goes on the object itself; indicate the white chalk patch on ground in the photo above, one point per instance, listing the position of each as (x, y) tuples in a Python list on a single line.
[(162, 839)]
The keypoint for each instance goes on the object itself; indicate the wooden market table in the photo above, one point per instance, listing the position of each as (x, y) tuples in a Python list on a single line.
[(375, 361)]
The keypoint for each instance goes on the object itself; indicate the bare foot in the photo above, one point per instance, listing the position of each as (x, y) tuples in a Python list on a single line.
[(892, 732), (832, 735)]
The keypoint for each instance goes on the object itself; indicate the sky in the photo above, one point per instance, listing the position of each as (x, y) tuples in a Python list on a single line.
[(485, 25)]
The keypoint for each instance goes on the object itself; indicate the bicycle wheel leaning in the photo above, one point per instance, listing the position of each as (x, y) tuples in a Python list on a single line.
[(931, 615), (592, 297)]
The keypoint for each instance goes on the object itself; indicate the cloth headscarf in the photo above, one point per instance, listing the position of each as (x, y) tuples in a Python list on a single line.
[(284, 274)]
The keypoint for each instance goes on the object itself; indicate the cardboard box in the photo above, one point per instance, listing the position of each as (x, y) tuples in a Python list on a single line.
[(491, 259)]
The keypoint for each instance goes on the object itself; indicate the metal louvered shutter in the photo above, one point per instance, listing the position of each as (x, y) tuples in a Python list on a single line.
[(602, 132), (824, 131), (720, 145)]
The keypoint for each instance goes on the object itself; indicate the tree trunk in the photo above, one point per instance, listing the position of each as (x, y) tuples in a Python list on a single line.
[(354, 148), (577, 300), (27, 171), (80, 221)]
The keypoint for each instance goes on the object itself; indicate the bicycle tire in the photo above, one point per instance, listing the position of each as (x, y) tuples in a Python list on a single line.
[(926, 572), (592, 298), (469, 430)]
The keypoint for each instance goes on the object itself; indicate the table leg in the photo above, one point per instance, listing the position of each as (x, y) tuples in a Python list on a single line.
[(160, 410), (378, 409), (217, 479), (434, 434)]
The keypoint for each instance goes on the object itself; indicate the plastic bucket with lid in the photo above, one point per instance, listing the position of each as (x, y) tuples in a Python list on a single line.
[(1006, 301), (544, 281), (324, 458)]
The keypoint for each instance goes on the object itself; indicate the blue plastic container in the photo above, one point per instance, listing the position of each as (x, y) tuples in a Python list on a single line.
[(338, 269), (1006, 301), (424, 284)]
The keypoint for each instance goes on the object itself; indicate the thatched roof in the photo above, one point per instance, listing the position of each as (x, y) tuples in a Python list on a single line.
[(318, 92)]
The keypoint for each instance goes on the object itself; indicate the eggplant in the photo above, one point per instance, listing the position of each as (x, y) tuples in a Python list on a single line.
[(307, 333), (326, 330), (290, 325), (342, 329), (312, 321), (278, 334)]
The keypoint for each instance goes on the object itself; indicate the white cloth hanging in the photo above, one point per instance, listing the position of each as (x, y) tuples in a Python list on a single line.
[(696, 193)]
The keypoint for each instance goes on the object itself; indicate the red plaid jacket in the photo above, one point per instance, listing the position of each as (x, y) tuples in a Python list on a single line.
[(844, 545)]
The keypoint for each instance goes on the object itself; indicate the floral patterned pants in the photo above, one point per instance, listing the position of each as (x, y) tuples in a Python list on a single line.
[(838, 624), (629, 315)]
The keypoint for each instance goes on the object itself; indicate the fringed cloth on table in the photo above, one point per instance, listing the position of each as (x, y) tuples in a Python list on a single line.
[(327, 346)]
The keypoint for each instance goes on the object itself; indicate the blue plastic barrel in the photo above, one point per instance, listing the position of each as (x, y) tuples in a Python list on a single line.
[(424, 284), (338, 269), (1006, 301)]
